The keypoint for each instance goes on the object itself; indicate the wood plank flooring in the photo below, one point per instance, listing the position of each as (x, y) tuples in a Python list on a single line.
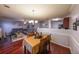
[(11, 47), (57, 49), (17, 48)]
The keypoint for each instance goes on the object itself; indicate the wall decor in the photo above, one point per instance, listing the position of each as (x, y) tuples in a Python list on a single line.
[(75, 24)]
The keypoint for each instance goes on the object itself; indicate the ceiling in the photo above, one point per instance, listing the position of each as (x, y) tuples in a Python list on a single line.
[(34, 11)]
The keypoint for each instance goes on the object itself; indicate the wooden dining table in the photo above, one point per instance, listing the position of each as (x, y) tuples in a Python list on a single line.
[(36, 45)]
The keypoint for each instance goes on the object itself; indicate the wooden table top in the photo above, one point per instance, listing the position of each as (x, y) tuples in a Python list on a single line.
[(32, 41)]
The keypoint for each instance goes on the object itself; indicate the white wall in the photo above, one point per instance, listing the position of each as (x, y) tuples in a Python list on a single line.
[(74, 36), (74, 45), (59, 36), (55, 24)]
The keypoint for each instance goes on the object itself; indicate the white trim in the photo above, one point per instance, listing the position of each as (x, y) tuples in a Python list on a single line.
[(76, 45)]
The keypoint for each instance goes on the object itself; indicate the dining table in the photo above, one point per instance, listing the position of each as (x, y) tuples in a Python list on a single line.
[(36, 45)]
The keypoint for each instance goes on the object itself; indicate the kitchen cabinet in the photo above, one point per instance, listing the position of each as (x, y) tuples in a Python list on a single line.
[(66, 23)]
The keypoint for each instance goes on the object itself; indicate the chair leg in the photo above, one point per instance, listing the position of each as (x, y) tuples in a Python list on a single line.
[(24, 49), (49, 47)]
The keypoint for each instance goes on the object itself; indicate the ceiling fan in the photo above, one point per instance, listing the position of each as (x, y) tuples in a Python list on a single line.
[(6, 6)]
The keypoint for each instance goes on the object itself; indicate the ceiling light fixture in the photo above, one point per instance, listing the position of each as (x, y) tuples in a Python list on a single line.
[(25, 21), (36, 21), (57, 19), (33, 21), (6, 6), (33, 16)]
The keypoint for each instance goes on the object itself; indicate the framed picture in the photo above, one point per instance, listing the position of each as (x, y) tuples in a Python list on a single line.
[(77, 22), (74, 26)]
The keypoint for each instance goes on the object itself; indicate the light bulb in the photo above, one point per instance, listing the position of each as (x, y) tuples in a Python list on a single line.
[(36, 21), (24, 22), (31, 21)]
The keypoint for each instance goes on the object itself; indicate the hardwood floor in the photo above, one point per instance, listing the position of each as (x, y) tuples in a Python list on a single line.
[(17, 48), (11, 47), (57, 49)]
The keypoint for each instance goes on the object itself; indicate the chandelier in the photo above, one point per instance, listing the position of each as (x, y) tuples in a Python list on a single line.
[(31, 21)]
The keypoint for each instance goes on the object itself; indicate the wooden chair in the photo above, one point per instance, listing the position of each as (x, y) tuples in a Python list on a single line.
[(43, 44)]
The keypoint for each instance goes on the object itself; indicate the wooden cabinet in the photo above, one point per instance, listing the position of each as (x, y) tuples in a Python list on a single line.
[(66, 23)]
